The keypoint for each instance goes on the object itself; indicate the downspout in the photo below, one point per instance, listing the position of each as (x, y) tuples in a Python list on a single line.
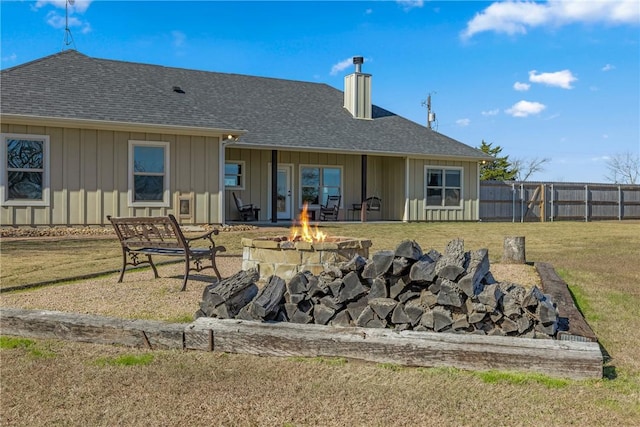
[(405, 216)]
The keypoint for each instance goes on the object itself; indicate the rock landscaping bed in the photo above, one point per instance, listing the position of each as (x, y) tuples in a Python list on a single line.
[(453, 291), (62, 231)]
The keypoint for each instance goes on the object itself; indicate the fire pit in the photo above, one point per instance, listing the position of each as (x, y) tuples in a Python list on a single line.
[(306, 248)]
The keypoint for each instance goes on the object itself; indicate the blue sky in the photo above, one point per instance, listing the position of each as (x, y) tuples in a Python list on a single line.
[(549, 79)]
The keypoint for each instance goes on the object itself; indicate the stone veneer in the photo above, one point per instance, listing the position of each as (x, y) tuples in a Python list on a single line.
[(285, 258)]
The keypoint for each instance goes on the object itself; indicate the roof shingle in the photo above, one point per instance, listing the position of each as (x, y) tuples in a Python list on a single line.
[(276, 113)]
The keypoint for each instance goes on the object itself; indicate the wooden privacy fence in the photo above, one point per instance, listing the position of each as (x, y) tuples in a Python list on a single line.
[(550, 201)]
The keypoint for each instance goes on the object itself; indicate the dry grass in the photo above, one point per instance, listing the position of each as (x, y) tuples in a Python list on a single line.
[(63, 383)]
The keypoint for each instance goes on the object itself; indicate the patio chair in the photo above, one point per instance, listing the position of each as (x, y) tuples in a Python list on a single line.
[(330, 209), (248, 212), (374, 204)]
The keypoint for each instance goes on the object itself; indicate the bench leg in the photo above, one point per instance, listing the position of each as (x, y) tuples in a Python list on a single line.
[(124, 264), (153, 266), (186, 272), (215, 267), (135, 262)]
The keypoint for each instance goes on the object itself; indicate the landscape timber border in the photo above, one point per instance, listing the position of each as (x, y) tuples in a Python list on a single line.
[(576, 353)]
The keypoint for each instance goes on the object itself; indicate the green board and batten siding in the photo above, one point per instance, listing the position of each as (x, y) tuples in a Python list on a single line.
[(92, 179), (385, 179)]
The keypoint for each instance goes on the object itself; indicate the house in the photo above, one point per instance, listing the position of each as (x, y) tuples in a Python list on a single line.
[(83, 138)]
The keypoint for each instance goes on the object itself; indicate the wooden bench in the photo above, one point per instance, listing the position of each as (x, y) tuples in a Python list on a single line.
[(162, 235)]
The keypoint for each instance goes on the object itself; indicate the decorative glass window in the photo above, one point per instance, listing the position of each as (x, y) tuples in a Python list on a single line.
[(148, 173), (319, 182), (234, 175), (25, 180), (443, 187)]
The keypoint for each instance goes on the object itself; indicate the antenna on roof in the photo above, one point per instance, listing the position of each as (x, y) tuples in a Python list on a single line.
[(431, 116), (68, 38)]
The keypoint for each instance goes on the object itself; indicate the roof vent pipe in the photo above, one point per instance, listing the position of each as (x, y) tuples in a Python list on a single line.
[(358, 61)]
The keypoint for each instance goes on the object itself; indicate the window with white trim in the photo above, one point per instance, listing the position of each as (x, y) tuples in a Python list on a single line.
[(443, 187), (149, 173), (319, 182), (25, 179), (234, 175)]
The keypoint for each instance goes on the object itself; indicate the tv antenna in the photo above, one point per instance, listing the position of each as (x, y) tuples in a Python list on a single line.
[(431, 116), (68, 37)]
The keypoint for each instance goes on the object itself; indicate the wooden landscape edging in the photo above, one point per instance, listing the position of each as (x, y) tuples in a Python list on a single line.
[(579, 329), (571, 359)]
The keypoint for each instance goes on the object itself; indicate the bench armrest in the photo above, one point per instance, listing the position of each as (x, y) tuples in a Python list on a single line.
[(206, 236)]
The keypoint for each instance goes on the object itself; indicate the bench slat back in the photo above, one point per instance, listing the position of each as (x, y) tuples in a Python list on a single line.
[(161, 231)]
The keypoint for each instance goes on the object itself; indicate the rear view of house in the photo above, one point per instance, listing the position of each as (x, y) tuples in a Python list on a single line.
[(83, 138)]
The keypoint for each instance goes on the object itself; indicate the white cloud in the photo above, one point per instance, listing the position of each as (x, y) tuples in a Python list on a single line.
[(491, 112), (525, 108), (521, 87), (57, 19), (10, 58), (410, 4), (341, 66), (79, 6), (608, 67), (516, 17), (463, 122), (178, 38), (561, 79)]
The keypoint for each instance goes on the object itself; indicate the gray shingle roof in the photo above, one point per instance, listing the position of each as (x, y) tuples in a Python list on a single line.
[(275, 113)]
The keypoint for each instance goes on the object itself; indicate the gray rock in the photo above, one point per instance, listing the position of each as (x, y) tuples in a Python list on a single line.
[(399, 315), (382, 306), (352, 288), (378, 288), (322, 314), (409, 249)]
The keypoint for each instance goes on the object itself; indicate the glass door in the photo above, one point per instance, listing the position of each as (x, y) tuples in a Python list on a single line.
[(284, 198)]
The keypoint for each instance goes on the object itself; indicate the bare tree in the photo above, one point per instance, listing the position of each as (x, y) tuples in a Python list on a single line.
[(623, 168), (526, 167)]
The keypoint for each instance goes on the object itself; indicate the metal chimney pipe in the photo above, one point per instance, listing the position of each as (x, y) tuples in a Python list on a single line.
[(358, 61)]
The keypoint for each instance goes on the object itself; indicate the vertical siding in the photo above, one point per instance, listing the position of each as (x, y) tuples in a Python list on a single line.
[(468, 211), (390, 181), (89, 176), (385, 179), (258, 172)]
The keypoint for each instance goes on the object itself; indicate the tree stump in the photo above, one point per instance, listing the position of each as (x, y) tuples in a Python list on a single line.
[(514, 250)]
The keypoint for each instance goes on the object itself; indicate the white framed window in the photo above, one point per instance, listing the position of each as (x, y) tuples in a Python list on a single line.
[(443, 187), (26, 169), (149, 165), (234, 174), (319, 182)]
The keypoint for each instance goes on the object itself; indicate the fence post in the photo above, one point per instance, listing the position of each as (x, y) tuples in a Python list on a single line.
[(586, 203), (552, 200), (619, 203), (521, 202), (513, 202)]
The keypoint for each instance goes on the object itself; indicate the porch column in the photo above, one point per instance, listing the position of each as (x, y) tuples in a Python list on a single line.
[(363, 182), (406, 215), (274, 186)]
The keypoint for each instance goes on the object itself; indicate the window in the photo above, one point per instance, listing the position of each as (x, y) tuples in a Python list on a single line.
[(234, 175), (318, 182), (25, 181), (148, 173), (443, 187)]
